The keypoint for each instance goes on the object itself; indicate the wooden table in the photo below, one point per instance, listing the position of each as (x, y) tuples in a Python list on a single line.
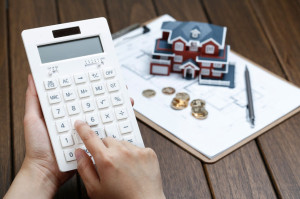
[(266, 31)]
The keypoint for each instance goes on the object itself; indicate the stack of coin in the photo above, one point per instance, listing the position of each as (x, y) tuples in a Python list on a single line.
[(180, 101), (198, 109)]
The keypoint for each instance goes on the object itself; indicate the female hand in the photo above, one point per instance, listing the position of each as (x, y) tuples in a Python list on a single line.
[(122, 169)]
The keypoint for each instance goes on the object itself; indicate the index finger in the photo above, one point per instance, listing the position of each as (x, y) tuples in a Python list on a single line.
[(92, 142)]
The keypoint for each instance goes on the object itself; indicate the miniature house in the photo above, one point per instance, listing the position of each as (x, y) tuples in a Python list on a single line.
[(195, 50)]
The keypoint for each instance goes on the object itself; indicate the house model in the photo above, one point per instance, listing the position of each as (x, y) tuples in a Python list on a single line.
[(195, 50)]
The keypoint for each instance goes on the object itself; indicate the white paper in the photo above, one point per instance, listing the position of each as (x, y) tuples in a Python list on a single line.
[(227, 123)]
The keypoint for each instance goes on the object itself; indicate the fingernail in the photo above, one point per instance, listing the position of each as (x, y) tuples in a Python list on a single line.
[(78, 122), (78, 154)]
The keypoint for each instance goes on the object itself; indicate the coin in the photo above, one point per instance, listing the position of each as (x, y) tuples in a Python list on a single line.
[(168, 90), (197, 102), (178, 104), (182, 96), (149, 93)]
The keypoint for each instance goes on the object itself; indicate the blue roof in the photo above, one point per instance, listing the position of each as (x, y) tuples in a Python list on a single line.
[(162, 47), (222, 57), (189, 60), (183, 29)]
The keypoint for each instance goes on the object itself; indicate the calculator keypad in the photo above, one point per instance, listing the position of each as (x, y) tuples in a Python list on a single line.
[(92, 97)]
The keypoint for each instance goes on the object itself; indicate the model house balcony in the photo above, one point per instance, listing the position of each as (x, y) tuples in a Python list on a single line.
[(161, 61)]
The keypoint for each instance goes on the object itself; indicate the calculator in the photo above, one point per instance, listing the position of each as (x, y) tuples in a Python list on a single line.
[(77, 77)]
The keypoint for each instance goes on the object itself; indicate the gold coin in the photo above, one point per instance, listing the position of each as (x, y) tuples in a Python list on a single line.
[(168, 90), (199, 112), (178, 104), (197, 102), (149, 93), (182, 96)]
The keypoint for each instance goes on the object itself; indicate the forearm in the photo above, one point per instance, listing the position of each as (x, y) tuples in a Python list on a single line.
[(31, 182)]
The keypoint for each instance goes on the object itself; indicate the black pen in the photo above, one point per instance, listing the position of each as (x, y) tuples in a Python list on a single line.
[(249, 98)]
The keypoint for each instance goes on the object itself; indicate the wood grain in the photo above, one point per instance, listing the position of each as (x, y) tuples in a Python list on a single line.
[(221, 179), (5, 130), (280, 21)]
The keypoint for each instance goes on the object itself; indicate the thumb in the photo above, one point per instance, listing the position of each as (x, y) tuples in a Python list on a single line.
[(87, 171)]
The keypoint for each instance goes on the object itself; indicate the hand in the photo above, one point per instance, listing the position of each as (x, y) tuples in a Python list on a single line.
[(39, 168), (122, 169)]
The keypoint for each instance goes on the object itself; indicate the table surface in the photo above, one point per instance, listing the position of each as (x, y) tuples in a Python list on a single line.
[(265, 31)]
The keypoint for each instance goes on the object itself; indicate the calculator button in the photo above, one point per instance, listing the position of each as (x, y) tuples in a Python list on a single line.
[(73, 108), (73, 120), (88, 105), (129, 138), (54, 97), (84, 91), (62, 126), (70, 154), (66, 140), (98, 88), (116, 99), (65, 81), (106, 116), (102, 102), (121, 113), (69, 94), (94, 75), (113, 85), (99, 132), (80, 78), (92, 119), (112, 131), (109, 72), (78, 138), (125, 127), (85, 149), (50, 84), (58, 111)]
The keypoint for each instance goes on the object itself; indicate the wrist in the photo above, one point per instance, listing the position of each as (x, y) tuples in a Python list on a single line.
[(42, 180)]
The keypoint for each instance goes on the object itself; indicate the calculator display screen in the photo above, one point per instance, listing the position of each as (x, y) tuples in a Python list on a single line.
[(70, 49)]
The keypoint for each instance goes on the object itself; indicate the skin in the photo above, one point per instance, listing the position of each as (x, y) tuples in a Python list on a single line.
[(122, 169)]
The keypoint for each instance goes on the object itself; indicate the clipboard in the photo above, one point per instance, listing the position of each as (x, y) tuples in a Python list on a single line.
[(190, 149)]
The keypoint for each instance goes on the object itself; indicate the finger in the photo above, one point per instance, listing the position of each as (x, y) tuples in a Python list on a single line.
[(92, 142), (132, 101), (86, 169), (130, 146), (110, 142), (32, 105)]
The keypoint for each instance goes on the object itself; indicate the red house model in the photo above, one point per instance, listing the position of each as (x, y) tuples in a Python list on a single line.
[(195, 50)]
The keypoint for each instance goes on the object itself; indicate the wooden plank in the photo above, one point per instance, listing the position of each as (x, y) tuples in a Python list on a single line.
[(70, 10), (30, 14), (280, 20), (185, 180), (5, 131), (220, 183)]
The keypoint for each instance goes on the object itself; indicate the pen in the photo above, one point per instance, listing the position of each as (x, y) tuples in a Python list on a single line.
[(249, 98)]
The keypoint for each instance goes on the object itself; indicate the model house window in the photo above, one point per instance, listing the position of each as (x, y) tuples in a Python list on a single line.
[(178, 58), (176, 67), (205, 71), (164, 57), (179, 46), (194, 46), (206, 64), (216, 65), (209, 49), (217, 74)]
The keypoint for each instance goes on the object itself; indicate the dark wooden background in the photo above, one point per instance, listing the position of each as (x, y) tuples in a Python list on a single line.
[(266, 31)]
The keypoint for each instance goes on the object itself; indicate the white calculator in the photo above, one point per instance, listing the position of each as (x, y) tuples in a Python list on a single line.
[(77, 77)]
